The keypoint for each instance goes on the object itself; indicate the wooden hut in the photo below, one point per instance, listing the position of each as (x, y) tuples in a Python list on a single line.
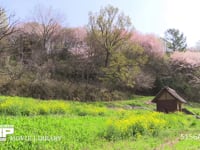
[(167, 100)]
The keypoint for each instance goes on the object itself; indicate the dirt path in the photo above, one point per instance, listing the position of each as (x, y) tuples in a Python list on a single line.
[(168, 143)]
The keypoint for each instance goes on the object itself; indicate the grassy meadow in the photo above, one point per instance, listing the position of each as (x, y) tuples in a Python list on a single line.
[(71, 125)]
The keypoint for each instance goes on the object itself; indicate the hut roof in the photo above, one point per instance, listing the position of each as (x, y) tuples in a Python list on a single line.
[(171, 92)]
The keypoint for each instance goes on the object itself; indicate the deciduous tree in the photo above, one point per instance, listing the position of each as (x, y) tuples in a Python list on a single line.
[(105, 30), (7, 24)]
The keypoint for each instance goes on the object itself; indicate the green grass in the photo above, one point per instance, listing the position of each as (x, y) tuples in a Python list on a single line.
[(128, 124), (194, 107), (75, 132)]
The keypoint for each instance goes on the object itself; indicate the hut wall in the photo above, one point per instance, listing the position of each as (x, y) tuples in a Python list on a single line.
[(167, 106), (166, 96)]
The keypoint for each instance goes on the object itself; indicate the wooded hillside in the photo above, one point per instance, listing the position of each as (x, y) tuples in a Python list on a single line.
[(105, 60)]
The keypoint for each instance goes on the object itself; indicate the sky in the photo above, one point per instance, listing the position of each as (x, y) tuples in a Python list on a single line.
[(148, 16)]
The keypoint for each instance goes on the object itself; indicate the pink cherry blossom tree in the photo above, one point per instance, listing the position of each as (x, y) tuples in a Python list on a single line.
[(152, 45), (191, 58)]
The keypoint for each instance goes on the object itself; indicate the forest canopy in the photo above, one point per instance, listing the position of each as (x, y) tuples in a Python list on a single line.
[(108, 59)]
